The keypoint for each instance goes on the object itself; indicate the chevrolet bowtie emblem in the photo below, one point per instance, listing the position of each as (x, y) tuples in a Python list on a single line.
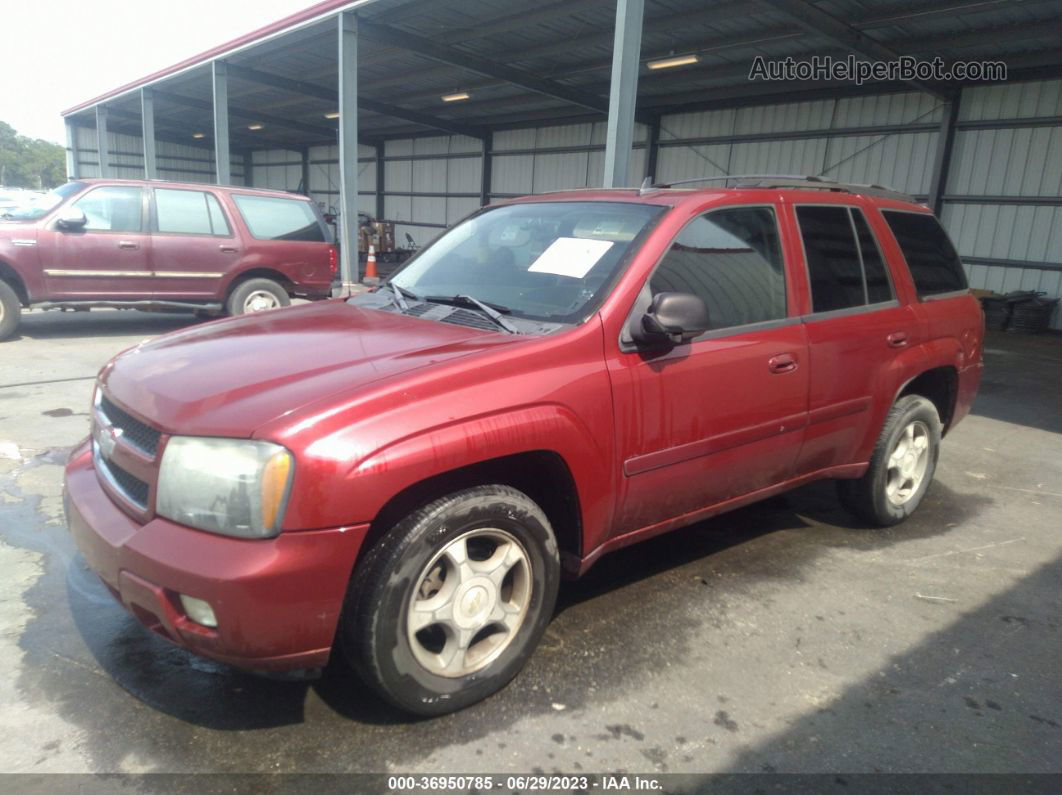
[(107, 439)]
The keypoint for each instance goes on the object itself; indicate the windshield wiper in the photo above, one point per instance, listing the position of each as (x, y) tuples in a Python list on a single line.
[(493, 311), (397, 297)]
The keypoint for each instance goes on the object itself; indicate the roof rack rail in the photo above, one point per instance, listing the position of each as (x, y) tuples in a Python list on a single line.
[(786, 181)]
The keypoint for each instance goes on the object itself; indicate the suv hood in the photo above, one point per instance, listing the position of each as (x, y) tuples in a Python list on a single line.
[(229, 377)]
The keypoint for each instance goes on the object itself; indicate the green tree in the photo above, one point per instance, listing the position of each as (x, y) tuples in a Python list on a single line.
[(29, 162)]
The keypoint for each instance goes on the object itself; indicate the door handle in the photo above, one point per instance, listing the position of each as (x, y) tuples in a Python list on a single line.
[(782, 363), (898, 339), (128, 244), (227, 249)]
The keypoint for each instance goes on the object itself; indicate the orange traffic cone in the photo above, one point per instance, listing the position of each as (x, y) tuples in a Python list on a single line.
[(371, 276)]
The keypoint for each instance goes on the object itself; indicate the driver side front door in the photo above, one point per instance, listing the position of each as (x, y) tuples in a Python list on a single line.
[(106, 259), (723, 416)]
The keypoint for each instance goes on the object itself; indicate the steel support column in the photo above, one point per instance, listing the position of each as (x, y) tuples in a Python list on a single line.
[(652, 152), (623, 96), (942, 161), (102, 148), (304, 181), (73, 161), (348, 149), (485, 178), (147, 133), (381, 167), (222, 162)]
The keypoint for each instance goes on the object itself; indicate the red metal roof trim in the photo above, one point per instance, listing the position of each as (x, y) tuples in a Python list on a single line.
[(318, 9)]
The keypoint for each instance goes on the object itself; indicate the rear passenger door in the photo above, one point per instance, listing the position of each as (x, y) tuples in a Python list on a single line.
[(193, 245), (856, 327)]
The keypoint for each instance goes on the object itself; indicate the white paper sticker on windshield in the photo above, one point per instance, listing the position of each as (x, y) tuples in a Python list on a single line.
[(570, 256)]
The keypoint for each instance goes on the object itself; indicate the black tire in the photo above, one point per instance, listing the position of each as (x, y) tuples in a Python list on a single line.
[(238, 299), (867, 498), (10, 310), (374, 626)]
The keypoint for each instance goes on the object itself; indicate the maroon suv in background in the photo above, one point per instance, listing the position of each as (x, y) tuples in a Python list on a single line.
[(153, 244)]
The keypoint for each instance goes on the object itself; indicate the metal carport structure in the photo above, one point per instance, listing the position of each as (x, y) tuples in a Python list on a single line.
[(375, 73)]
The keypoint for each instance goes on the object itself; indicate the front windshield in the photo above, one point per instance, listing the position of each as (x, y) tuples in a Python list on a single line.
[(42, 203), (541, 260)]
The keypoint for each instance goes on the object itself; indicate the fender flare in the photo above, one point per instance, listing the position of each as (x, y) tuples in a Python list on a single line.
[(545, 427)]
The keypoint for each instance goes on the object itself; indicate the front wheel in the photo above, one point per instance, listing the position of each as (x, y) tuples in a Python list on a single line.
[(449, 605), (901, 467), (10, 310), (257, 295)]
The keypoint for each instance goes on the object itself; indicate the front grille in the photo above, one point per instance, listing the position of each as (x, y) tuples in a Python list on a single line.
[(131, 487), (457, 317), (137, 433)]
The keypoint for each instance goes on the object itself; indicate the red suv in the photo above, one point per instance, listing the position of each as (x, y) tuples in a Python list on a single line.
[(150, 244), (406, 473)]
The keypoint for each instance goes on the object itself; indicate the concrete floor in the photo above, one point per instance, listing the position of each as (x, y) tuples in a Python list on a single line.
[(782, 637)]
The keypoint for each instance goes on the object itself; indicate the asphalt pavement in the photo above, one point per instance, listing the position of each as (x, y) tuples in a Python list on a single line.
[(783, 637)]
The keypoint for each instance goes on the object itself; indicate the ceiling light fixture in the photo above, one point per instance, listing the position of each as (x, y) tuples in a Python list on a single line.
[(461, 95), (669, 63), (199, 135), (254, 126), (333, 115)]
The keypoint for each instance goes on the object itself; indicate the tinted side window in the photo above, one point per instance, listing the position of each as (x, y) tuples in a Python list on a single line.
[(833, 259), (189, 212), (217, 217), (112, 209), (931, 258), (879, 288), (733, 260), (270, 218)]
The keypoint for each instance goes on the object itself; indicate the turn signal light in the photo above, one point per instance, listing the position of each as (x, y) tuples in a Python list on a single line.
[(333, 260)]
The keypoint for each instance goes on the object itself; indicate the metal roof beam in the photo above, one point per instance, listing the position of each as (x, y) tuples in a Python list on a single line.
[(819, 23), (473, 63), (364, 103), (174, 127), (486, 28), (243, 113), (669, 23)]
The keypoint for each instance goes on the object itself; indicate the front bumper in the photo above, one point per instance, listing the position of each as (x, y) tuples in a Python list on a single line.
[(277, 600)]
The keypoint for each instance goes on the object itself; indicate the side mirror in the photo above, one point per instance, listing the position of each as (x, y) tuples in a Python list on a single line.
[(673, 318), (71, 218)]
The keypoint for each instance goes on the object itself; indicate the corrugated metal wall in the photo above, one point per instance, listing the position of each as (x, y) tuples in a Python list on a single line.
[(821, 137), (175, 162), (281, 169), (1002, 202), (1003, 208)]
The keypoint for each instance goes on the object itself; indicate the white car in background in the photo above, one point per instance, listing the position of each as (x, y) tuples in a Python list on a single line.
[(13, 198)]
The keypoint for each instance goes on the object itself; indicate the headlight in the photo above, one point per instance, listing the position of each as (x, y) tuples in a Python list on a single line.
[(236, 487)]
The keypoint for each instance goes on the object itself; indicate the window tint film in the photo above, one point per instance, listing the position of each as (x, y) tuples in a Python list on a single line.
[(878, 286), (111, 209), (217, 217), (733, 260), (833, 259), (931, 258), (270, 218), (188, 212)]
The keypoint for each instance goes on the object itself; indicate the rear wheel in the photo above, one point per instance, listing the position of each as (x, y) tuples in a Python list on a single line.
[(449, 605), (10, 310), (901, 468), (257, 295)]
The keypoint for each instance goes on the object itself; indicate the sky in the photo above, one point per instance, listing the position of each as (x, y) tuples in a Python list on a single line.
[(58, 53)]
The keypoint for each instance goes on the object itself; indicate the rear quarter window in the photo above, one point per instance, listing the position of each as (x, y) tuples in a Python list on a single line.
[(934, 264), (271, 218)]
